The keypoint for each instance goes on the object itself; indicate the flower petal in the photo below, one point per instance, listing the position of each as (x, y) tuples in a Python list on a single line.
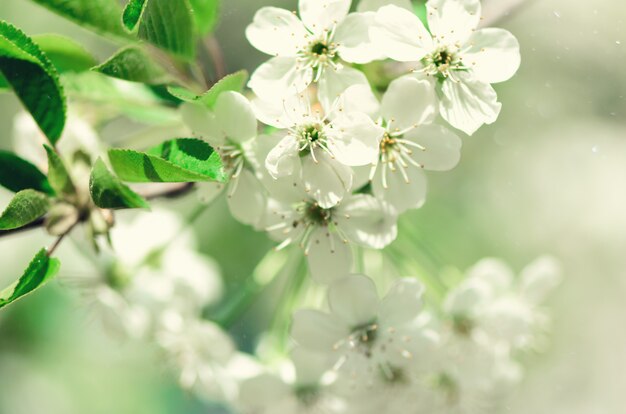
[(495, 272), (317, 331), (469, 103), (207, 192), (202, 123), (353, 39), (246, 198), (374, 5), (325, 180), (280, 77), (539, 278), (321, 15), (409, 102), (276, 32), (354, 139), (494, 55), (334, 82), (402, 303), (399, 193), (367, 221), (329, 256), (281, 160), (262, 391), (309, 366), (354, 300), (453, 21), (359, 98), (235, 116), (442, 147), (401, 34)]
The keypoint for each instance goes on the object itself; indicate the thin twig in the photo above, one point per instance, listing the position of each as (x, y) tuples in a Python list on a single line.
[(57, 243), (214, 49)]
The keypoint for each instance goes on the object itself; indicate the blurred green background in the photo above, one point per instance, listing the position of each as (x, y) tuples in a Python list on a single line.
[(548, 177)]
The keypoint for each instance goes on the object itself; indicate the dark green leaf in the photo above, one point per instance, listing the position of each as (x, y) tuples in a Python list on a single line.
[(66, 54), (233, 82), (205, 14), (132, 13), (40, 270), (107, 191), (26, 207), (34, 79), (169, 25), (103, 16), (58, 176), (17, 174), (174, 161), (134, 64)]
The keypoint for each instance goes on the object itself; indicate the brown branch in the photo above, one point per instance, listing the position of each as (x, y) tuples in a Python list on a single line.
[(214, 50)]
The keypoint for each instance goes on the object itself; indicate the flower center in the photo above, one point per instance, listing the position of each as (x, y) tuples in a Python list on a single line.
[(316, 215), (319, 54), (462, 325), (396, 155), (364, 336), (311, 137), (232, 157), (442, 62), (393, 375), (308, 395)]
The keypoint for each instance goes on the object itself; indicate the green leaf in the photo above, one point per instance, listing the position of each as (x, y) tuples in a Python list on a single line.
[(133, 64), (66, 54), (107, 191), (132, 13), (169, 25), (17, 174), (103, 16), (176, 161), (233, 82), (40, 270), (58, 176), (34, 79), (26, 207), (205, 15)]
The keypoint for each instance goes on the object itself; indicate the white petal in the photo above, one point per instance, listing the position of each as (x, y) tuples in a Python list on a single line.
[(443, 147), (282, 160), (453, 20), (409, 102), (401, 34), (495, 272), (359, 98), (309, 366), (260, 392), (354, 139), (276, 32), (374, 5), (402, 303), (246, 198), (367, 221), (317, 331), (235, 116), (334, 82), (399, 193), (280, 77), (539, 278), (354, 300), (467, 298), (207, 192), (330, 258), (283, 113), (353, 37), (321, 15), (494, 55), (327, 181), (202, 123), (468, 104)]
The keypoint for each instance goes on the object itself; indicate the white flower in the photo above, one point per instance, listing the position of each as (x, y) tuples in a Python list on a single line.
[(365, 336), (409, 144), (326, 234), (320, 148), (463, 61), (311, 49), (231, 128)]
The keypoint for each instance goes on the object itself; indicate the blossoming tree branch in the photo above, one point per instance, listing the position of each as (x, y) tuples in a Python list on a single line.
[(323, 147)]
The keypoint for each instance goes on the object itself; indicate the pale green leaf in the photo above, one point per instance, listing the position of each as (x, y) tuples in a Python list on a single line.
[(25, 207), (133, 64), (65, 54), (234, 82), (58, 176), (169, 25), (205, 14), (132, 13), (107, 191)]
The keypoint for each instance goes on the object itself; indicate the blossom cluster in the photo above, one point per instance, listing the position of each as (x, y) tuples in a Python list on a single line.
[(338, 159)]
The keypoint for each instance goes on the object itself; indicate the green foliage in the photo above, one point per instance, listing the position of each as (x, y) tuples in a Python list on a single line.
[(132, 13), (205, 15), (107, 191), (32, 76), (233, 82), (65, 54), (133, 64), (174, 161), (40, 270), (26, 207), (103, 16), (58, 176), (17, 174), (169, 25)]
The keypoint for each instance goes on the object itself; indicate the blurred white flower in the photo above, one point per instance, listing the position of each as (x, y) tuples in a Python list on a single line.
[(326, 235), (462, 60), (311, 49)]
